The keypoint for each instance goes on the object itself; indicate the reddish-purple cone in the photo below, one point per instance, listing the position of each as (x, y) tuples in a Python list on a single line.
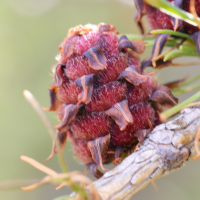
[(105, 102), (160, 20)]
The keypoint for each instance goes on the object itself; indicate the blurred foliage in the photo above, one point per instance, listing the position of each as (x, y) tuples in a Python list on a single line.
[(30, 32)]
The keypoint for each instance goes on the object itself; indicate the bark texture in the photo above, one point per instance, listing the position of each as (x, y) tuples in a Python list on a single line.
[(166, 148)]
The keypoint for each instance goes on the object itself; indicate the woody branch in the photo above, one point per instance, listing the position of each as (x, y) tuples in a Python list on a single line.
[(166, 148)]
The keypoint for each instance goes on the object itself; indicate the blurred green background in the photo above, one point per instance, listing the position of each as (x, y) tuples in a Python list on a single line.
[(30, 33)]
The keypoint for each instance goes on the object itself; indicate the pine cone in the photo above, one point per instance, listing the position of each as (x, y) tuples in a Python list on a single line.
[(106, 103), (160, 20)]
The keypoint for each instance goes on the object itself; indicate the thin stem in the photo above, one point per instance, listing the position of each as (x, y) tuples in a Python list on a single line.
[(39, 166), (169, 50), (172, 111), (53, 177), (179, 90), (36, 106), (62, 162), (163, 54), (194, 87), (190, 81)]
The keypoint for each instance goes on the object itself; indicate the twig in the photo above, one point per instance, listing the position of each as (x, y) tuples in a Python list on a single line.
[(36, 106), (39, 166), (169, 50), (165, 149)]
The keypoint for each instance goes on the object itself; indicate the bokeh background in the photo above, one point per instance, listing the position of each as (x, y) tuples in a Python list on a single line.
[(30, 33)]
